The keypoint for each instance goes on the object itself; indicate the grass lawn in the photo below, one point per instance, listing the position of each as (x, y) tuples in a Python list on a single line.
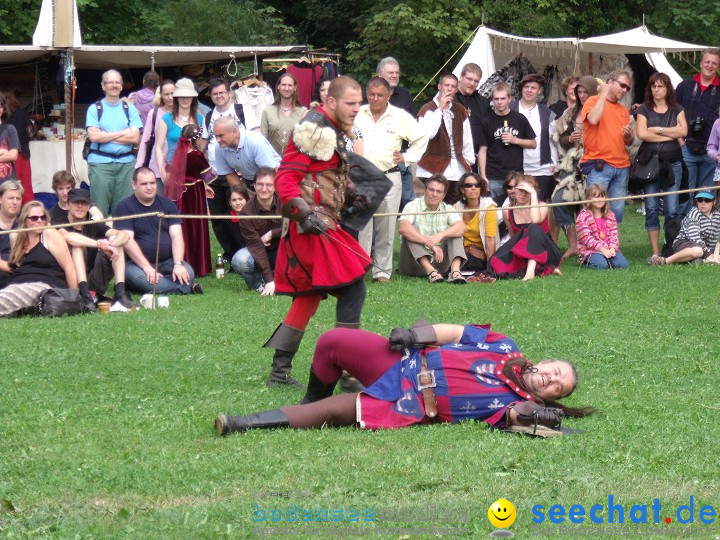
[(106, 421)]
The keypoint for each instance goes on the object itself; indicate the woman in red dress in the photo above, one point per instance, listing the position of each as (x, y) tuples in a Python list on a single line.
[(187, 186)]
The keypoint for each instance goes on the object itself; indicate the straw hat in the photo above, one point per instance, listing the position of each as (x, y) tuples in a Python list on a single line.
[(184, 88)]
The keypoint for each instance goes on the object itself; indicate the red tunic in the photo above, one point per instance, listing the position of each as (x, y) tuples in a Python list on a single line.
[(307, 263)]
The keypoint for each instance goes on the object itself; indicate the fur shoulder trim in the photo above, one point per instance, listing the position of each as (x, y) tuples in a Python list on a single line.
[(314, 138)]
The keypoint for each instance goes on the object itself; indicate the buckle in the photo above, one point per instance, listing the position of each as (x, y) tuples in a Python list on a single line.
[(421, 377)]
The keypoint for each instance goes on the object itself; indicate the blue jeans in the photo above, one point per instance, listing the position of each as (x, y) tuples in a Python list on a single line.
[(408, 189), (136, 280), (597, 261), (652, 204), (244, 264), (700, 174), (496, 188), (615, 182)]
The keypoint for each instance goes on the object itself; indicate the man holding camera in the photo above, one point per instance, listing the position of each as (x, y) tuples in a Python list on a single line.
[(700, 97)]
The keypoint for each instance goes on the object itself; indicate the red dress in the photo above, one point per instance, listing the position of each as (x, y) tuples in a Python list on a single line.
[(307, 263), (191, 200)]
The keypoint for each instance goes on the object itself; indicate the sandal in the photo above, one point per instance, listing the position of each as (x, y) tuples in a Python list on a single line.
[(435, 277), (481, 278), (456, 277)]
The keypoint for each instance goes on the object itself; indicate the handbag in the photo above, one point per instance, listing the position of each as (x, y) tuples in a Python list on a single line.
[(56, 302), (150, 143), (645, 173), (649, 171)]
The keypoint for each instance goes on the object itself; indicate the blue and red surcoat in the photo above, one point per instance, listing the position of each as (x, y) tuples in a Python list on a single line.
[(469, 383)]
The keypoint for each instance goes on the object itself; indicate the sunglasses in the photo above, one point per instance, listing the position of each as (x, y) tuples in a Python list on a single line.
[(624, 86), (471, 186), (702, 199), (36, 219)]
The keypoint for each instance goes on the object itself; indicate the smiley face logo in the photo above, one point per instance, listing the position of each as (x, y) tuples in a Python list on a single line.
[(502, 513)]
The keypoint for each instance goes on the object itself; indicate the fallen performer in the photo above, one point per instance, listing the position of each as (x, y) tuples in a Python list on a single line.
[(424, 374)]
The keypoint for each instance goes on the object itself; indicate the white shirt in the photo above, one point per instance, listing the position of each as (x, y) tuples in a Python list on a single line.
[(430, 122), (531, 156)]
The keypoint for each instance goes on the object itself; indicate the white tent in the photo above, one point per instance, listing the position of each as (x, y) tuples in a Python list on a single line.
[(491, 50)]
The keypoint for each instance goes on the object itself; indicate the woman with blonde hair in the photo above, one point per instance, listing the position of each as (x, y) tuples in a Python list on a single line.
[(39, 260), (598, 242)]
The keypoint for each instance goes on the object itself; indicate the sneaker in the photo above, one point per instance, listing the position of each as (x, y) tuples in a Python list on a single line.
[(123, 303), (197, 288)]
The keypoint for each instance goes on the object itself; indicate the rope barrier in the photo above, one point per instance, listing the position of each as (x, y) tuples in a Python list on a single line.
[(162, 215)]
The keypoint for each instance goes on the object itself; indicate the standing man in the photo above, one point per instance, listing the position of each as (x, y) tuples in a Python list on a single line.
[(606, 133), (241, 152), (113, 127), (219, 90), (385, 128), (503, 137), (450, 148), (400, 97), (280, 118), (316, 256), (478, 106), (538, 161), (173, 275), (256, 261), (700, 97)]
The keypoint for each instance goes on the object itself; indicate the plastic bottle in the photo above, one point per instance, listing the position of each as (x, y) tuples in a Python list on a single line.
[(219, 267)]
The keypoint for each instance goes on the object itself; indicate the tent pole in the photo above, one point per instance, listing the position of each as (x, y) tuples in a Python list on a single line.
[(590, 64), (69, 120)]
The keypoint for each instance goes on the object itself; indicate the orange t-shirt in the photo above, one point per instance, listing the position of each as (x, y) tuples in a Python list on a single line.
[(605, 140)]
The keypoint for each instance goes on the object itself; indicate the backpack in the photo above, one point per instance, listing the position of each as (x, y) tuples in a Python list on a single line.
[(87, 147), (672, 229), (238, 112)]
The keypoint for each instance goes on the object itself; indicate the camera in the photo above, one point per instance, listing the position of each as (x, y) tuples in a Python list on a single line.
[(697, 127)]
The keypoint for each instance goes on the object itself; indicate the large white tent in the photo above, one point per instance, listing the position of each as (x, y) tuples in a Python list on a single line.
[(491, 50)]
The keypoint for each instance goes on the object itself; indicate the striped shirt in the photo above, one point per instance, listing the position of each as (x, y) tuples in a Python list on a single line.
[(699, 228)]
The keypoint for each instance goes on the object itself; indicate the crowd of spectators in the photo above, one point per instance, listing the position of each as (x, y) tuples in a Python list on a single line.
[(484, 170)]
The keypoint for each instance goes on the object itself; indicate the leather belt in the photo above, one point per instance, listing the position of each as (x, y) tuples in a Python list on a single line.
[(426, 382), (394, 169)]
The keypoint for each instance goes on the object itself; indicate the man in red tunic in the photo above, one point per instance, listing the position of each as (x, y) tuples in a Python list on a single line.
[(316, 257)]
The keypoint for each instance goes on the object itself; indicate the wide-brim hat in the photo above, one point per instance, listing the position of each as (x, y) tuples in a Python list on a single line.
[(184, 88)]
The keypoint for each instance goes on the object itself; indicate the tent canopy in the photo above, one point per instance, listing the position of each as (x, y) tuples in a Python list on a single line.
[(491, 50), (129, 56)]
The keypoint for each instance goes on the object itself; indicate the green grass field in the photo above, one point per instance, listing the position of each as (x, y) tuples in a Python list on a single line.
[(106, 421)]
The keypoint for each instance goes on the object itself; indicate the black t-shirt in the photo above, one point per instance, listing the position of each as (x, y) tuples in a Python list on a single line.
[(145, 229), (479, 108), (655, 120), (501, 158), (5, 246), (22, 122), (402, 98), (58, 215), (95, 231)]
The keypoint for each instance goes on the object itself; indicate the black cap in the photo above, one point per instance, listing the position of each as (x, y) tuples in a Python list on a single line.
[(79, 195)]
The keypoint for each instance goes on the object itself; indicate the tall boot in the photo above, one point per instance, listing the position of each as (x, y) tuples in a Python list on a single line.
[(316, 389), (224, 424), (348, 383), (286, 341)]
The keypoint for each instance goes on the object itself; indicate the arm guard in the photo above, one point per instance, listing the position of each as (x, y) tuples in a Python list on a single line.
[(420, 333), (296, 209)]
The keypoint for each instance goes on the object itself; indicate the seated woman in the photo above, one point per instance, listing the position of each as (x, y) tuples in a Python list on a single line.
[(481, 226), (530, 251), (39, 259), (698, 234), (469, 373), (597, 236)]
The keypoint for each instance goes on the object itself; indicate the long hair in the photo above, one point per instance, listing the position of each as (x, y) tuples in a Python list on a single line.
[(11, 102), (669, 91), (511, 372), (596, 190), (22, 239), (193, 110), (4, 105), (484, 190), (295, 99)]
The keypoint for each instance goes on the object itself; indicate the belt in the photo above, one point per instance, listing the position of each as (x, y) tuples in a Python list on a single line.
[(394, 169), (426, 383)]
